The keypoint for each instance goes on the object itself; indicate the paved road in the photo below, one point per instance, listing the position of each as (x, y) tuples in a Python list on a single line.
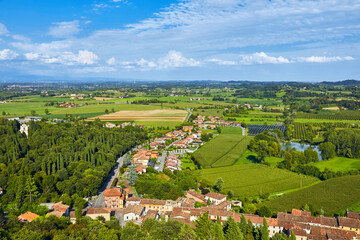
[(190, 113), (160, 167), (112, 175)]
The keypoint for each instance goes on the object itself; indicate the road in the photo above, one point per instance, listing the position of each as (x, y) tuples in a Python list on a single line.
[(160, 167), (190, 113), (99, 202)]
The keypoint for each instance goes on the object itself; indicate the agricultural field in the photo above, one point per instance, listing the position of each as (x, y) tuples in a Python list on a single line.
[(223, 150), (338, 164), (249, 180), (24, 108), (300, 131), (147, 115), (256, 129), (333, 196), (331, 115)]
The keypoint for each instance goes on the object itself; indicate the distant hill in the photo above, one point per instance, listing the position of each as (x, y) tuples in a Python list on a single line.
[(349, 82)]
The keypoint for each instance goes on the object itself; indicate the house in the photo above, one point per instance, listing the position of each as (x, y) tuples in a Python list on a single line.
[(1, 191), (225, 205), (152, 214), (110, 125), (113, 198), (94, 213), (24, 129), (59, 209), (215, 198), (153, 204), (196, 196), (72, 216), (350, 224), (28, 217), (132, 201), (187, 128), (133, 212), (351, 214)]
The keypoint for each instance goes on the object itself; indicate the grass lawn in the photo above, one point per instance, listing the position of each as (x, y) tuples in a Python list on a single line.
[(250, 180), (223, 150), (333, 196), (338, 164)]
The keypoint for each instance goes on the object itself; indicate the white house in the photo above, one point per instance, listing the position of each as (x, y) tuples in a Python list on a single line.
[(132, 201), (215, 198), (24, 129), (133, 213)]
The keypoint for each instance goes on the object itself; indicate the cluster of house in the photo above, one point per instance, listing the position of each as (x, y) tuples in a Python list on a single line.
[(68, 105), (122, 125), (212, 122), (142, 159), (173, 163), (121, 204), (26, 119)]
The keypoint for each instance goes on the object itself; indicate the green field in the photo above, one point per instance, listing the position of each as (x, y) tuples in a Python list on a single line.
[(251, 157), (223, 150), (338, 164), (252, 179), (333, 196)]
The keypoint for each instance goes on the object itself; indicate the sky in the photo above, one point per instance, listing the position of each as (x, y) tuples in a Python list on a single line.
[(259, 40)]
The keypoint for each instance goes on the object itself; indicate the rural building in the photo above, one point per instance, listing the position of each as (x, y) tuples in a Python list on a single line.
[(94, 213), (215, 198), (27, 217), (132, 201), (198, 197), (153, 204), (133, 212), (113, 198), (59, 209)]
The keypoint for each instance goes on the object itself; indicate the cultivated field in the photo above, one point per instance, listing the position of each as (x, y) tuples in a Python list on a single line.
[(149, 115), (223, 150), (252, 179), (333, 196)]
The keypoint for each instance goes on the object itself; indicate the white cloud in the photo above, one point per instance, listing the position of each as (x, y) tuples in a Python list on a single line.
[(324, 59), (172, 59), (7, 54), (64, 29), (111, 61), (83, 57), (262, 58), (3, 29), (31, 56), (221, 62)]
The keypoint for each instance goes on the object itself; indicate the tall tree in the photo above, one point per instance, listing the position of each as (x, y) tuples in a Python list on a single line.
[(31, 188), (218, 186), (132, 175)]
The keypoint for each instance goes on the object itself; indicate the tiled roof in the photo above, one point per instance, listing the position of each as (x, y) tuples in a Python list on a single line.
[(196, 194), (152, 201), (113, 192), (349, 222), (60, 207), (28, 216), (134, 209), (97, 211), (134, 199), (351, 214), (56, 213), (217, 196)]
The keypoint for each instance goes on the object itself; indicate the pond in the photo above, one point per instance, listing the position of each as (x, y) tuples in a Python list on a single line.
[(301, 147)]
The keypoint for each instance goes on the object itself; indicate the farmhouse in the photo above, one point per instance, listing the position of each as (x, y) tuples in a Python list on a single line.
[(113, 198), (28, 217), (133, 212), (94, 213), (215, 198), (59, 209)]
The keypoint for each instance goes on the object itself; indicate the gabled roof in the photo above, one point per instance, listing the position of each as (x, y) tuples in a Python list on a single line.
[(152, 201), (112, 192), (196, 194), (134, 199), (349, 222), (60, 207), (28, 216), (349, 214), (134, 209), (217, 196), (56, 213), (98, 211)]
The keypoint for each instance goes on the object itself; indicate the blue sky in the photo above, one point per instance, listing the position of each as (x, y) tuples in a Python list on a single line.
[(295, 40)]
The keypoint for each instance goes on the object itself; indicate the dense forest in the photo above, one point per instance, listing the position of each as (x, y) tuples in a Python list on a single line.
[(70, 158)]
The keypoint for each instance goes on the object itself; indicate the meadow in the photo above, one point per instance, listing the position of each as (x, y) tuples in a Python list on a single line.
[(227, 147), (250, 180), (338, 164), (333, 196)]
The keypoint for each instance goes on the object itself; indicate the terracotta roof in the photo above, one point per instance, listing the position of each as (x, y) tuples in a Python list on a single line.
[(349, 222), (196, 194), (217, 196), (28, 216), (224, 204), (349, 214), (134, 209), (60, 207), (112, 192), (1, 189), (98, 211), (152, 201), (184, 220), (135, 199), (300, 213), (151, 214)]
